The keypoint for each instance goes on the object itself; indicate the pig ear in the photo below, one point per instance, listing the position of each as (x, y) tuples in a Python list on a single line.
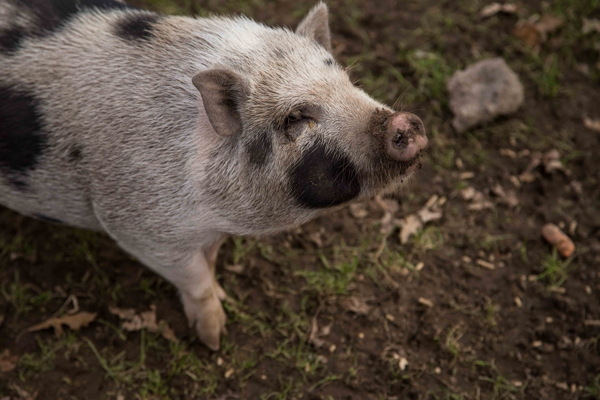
[(222, 93), (316, 26)]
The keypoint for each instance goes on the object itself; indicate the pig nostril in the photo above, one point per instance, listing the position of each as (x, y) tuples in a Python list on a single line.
[(400, 139)]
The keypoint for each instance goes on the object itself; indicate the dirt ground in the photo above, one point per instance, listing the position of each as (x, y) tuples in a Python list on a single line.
[(475, 304)]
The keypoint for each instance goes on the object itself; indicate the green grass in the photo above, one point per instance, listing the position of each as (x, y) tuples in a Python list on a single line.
[(23, 297), (592, 390), (333, 275), (501, 387), (555, 269), (432, 71)]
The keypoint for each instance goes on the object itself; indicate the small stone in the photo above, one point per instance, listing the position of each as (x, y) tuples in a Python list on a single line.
[(466, 175), (486, 264), (402, 363), (483, 91), (425, 302), (518, 302)]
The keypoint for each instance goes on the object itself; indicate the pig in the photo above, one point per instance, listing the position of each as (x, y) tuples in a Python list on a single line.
[(169, 133)]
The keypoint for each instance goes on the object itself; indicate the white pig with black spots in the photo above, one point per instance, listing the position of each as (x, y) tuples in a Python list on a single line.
[(169, 133)]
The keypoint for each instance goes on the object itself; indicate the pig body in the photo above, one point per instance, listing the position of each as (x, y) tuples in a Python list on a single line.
[(168, 132)]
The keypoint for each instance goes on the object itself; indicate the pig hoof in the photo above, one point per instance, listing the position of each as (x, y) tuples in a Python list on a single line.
[(207, 315), (221, 295)]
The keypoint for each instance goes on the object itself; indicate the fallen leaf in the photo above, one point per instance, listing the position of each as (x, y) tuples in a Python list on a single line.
[(548, 24), (8, 362), (316, 238), (508, 197), (495, 8), (317, 332), (477, 199), (133, 321), (409, 225), (463, 176), (468, 193), (75, 322), (592, 124), (356, 305), (390, 208), (534, 32), (527, 175), (358, 210), (590, 25), (427, 215), (23, 394), (551, 161), (528, 33)]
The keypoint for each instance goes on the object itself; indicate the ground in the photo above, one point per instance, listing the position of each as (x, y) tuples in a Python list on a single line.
[(475, 305)]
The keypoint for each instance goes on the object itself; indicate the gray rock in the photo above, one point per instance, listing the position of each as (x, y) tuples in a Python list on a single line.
[(482, 92)]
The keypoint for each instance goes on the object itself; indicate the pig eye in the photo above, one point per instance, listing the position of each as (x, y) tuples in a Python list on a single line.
[(295, 123)]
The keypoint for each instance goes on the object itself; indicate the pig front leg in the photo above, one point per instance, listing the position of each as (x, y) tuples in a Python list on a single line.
[(200, 295), (212, 254), (192, 272)]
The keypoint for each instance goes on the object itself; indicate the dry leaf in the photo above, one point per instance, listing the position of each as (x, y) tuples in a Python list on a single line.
[(427, 215), (358, 210), (8, 362), (477, 199), (495, 8), (132, 321), (23, 394), (548, 24), (551, 161), (528, 34), (534, 33), (315, 237), (590, 25), (412, 223), (316, 333), (356, 305), (592, 124), (75, 322), (527, 175), (390, 208), (409, 226), (508, 197)]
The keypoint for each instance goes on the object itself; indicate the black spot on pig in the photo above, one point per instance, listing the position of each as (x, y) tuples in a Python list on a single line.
[(42, 217), (324, 178), (136, 27), (260, 149), (75, 154), (21, 138), (329, 61), (53, 14), (10, 39)]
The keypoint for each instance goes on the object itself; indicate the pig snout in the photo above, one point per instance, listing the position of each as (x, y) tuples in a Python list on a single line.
[(405, 136)]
